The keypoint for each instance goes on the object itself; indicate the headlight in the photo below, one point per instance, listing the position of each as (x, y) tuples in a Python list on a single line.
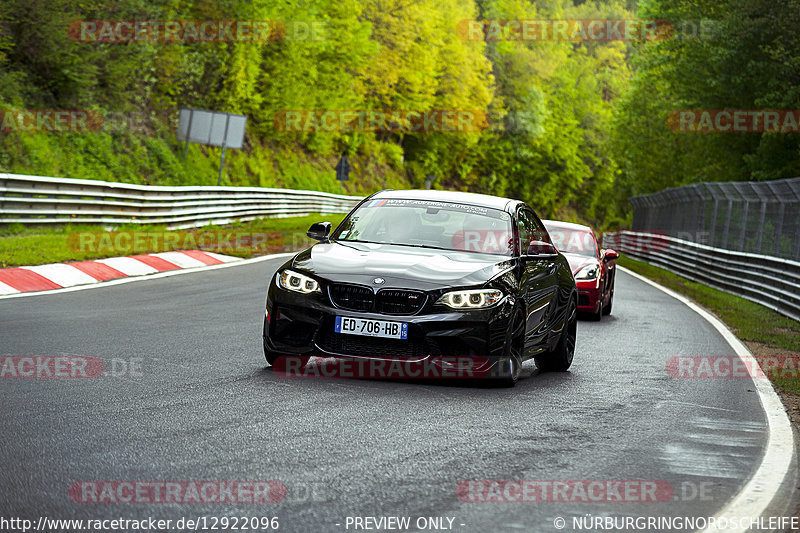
[(474, 299), (294, 281), (587, 272)]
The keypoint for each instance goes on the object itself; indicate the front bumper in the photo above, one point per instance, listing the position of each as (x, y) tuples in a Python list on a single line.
[(589, 295), (303, 325)]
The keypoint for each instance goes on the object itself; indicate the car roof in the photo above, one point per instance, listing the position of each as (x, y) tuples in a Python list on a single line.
[(566, 225), (456, 197)]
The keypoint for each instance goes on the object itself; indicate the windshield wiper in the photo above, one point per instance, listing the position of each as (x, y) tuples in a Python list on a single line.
[(356, 240), (398, 244), (421, 246), (429, 246)]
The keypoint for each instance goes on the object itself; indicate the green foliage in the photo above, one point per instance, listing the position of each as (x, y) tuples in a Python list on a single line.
[(727, 55), (568, 128)]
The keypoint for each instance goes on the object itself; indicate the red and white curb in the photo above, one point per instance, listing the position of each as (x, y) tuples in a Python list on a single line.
[(60, 275)]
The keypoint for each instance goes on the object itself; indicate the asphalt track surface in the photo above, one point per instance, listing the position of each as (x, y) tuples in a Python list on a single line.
[(202, 405)]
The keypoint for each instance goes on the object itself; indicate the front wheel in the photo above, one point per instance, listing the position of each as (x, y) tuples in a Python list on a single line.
[(597, 316), (510, 365), (607, 309), (560, 359)]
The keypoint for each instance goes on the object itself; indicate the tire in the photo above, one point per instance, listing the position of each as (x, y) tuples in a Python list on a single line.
[(510, 364), (560, 359), (607, 309), (597, 316)]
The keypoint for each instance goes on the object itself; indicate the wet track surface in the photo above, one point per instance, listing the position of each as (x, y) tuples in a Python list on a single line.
[(201, 405)]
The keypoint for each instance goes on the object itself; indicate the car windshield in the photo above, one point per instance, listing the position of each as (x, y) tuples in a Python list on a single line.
[(574, 241), (430, 224)]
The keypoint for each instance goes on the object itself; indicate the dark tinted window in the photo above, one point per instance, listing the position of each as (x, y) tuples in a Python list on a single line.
[(430, 224), (530, 229)]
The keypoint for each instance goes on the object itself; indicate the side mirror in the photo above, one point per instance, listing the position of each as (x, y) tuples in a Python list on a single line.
[(319, 231), (610, 255), (541, 248)]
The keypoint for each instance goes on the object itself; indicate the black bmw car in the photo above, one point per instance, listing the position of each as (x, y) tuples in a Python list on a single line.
[(428, 277)]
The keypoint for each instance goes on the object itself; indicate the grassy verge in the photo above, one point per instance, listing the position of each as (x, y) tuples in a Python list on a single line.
[(766, 332), (36, 245)]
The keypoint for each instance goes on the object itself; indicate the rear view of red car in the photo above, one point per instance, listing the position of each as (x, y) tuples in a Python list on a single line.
[(594, 268)]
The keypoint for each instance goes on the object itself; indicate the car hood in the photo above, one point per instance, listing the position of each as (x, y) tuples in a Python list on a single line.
[(578, 261), (399, 266)]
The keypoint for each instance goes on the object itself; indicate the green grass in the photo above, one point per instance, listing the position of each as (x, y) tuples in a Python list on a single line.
[(765, 331), (36, 245)]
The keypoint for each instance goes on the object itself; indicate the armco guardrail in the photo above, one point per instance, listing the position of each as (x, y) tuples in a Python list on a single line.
[(770, 281), (42, 200)]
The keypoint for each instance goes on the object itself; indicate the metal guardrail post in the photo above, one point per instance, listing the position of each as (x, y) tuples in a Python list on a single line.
[(761, 218), (794, 185), (743, 231), (713, 231), (702, 207), (779, 228), (674, 214), (715, 212), (779, 221), (797, 239), (727, 226)]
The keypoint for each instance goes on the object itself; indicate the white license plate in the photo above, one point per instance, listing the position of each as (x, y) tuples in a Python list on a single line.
[(371, 328)]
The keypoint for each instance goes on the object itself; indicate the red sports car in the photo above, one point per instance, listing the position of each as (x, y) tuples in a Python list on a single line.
[(593, 268)]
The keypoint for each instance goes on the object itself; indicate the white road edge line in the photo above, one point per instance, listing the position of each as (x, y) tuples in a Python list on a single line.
[(147, 277), (755, 497)]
